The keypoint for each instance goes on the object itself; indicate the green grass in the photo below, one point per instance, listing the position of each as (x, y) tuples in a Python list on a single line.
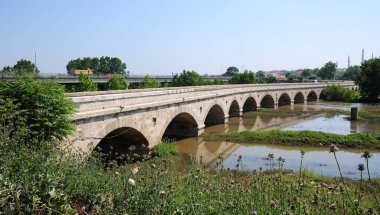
[(164, 149), (67, 187), (312, 138)]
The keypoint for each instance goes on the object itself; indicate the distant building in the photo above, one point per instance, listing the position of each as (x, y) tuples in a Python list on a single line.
[(279, 75), (79, 71)]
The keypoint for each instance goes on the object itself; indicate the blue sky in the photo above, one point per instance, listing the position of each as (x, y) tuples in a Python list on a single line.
[(167, 36)]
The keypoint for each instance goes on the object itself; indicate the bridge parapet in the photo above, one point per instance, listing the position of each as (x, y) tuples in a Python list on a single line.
[(149, 115)]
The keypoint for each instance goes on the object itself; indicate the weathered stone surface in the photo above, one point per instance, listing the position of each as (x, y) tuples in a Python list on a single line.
[(151, 111)]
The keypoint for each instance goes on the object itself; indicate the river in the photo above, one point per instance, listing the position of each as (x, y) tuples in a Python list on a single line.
[(316, 159)]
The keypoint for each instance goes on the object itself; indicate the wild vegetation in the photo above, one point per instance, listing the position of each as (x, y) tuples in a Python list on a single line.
[(22, 66), (369, 78), (85, 84), (338, 93), (38, 178), (117, 82), (312, 138)]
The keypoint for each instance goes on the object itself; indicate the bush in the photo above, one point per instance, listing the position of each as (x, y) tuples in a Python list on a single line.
[(247, 77), (339, 93), (148, 82), (117, 82), (38, 108), (85, 84)]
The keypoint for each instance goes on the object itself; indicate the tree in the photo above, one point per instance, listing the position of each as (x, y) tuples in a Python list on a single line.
[(103, 65), (187, 78), (248, 77), (148, 82), (39, 108), (306, 73), (117, 82), (7, 70), (260, 77), (351, 73), (328, 71), (231, 71), (270, 79), (291, 76), (25, 66), (85, 84), (369, 79), (22, 66)]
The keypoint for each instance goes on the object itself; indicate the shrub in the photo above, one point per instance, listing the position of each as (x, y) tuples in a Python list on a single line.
[(117, 82), (38, 108), (85, 84), (339, 93)]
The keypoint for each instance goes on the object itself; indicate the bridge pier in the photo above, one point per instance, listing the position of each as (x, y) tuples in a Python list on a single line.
[(258, 106), (146, 116)]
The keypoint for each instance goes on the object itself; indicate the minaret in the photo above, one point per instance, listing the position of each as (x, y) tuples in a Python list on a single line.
[(362, 55), (348, 65)]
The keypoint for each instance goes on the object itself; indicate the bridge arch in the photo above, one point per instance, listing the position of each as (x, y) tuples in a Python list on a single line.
[(122, 142), (180, 126), (215, 115), (299, 98), (284, 99), (250, 105), (234, 109), (312, 96), (267, 101)]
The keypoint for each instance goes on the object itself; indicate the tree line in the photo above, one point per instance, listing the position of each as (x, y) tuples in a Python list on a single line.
[(367, 76)]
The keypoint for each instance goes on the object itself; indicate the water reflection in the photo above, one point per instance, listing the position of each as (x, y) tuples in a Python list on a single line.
[(316, 159), (338, 124), (206, 151)]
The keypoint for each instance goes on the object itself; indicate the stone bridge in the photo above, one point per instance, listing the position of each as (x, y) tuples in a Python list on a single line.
[(119, 119)]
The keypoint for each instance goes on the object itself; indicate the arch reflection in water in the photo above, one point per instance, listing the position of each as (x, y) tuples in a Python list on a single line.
[(208, 151)]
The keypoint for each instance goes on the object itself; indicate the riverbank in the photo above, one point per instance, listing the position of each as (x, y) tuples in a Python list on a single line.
[(162, 186), (307, 138)]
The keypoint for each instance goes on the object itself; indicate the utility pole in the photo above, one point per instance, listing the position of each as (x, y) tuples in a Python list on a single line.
[(35, 61), (348, 65), (363, 55)]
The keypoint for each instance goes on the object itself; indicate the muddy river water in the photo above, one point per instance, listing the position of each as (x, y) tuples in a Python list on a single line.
[(316, 159)]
